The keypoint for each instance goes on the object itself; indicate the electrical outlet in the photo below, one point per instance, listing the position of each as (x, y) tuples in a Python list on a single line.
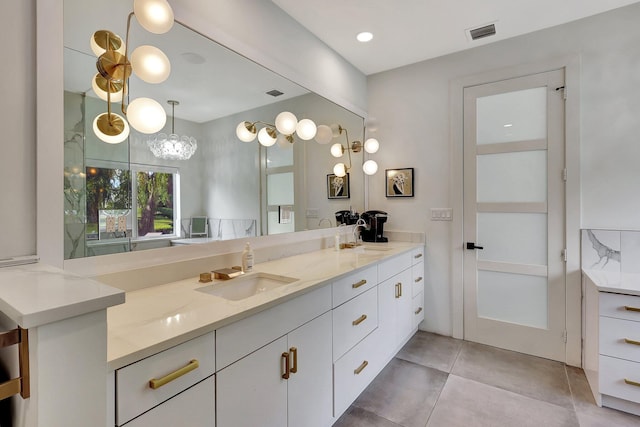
[(441, 214)]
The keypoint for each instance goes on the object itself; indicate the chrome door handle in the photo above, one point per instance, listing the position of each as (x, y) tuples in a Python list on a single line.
[(472, 245)]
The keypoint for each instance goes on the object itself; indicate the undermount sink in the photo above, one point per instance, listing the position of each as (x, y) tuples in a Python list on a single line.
[(247, 286)]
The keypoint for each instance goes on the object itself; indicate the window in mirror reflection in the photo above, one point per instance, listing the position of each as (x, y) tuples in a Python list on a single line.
[(108, 195), (155, 201)]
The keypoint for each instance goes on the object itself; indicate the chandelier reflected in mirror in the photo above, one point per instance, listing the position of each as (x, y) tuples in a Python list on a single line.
[(173, 146)]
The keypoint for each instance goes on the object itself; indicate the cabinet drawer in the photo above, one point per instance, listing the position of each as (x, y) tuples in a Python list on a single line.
[(394, 266), (620, 306), (417, 272), (418, 309), (353, 372), (620, 338), (354, 320), (238, 339), (417, 255), (354, 284), (614, 372), (133, 392)]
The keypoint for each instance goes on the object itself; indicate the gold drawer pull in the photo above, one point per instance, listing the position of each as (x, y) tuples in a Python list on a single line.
[(419, 310), (157, 383), (629, 308), (419, 279), (628, 341), (359, 320), (634, 383), (417, 256), (294, 352), (287, 368), (360, 283), (361, 367)]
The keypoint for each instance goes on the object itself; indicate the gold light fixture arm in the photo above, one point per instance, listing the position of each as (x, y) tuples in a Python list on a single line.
[(125, 81)]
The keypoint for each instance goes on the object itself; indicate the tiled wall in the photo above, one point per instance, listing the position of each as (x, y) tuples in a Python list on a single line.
[(611, 250)]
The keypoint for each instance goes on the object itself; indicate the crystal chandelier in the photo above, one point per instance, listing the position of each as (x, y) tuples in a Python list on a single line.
[(172, 147)]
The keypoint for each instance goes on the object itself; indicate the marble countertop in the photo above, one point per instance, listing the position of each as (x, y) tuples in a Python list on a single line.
[(36, 294), (159, 317), (609, 281)]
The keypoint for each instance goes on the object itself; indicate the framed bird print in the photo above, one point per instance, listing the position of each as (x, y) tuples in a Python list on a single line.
[(399, 182)]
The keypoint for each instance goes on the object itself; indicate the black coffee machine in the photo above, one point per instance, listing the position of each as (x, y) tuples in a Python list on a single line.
[(346, 217), (374, 226)]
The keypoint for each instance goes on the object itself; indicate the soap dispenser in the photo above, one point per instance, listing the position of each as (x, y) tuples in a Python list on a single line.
[(247, 258)]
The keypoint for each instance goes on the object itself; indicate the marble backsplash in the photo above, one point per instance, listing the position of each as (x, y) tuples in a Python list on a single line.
[(611, 250)]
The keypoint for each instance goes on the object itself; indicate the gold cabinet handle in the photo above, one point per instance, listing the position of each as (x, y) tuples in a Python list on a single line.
[(397, 290), (629, 308), (360, 283), (417, 256), (400, 289), (628, 341), (359, 320), (157, 383), (419, 279), (360, 368), (294, 352), (633, 383), (419, 310), (287, 369)]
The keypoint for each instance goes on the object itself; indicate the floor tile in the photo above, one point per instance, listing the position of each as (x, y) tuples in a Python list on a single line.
[(589, 414), (431, 350), (530, 376), (357, 417), (467, 403), (403, 392)]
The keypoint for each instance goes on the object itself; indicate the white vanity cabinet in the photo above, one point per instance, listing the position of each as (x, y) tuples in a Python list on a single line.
[(288, 381), (417, 285)]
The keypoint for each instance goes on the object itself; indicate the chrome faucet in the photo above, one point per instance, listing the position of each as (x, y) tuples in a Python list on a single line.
[(359, 223), (322, 220)]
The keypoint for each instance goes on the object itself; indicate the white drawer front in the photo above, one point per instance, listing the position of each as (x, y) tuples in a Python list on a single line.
[(354, 320), (614, 372), (354, 371), (238, 339), (417, 273), (620, 306), (418, 309), (133, 392), (620, 338), (393, 266), (354, 284), (417, 255)]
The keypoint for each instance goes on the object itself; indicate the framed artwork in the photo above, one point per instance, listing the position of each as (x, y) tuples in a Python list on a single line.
[(399, 182), (337, 186)]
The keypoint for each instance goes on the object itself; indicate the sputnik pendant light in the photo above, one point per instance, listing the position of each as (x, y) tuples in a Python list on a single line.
[(326, 133), (285, 127), (172, 147)]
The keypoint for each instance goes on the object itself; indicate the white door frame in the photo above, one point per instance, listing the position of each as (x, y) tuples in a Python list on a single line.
[(571, 65)]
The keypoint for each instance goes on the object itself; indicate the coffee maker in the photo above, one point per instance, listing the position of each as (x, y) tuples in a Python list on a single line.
[(346, 217), (374, 225)]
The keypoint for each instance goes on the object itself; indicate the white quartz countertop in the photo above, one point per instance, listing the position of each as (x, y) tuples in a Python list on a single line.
[(609, 281), (36, 294), (159, 317)]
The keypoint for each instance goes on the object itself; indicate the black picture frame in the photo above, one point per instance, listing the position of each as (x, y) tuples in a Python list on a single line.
[(399, 182), (338, 187)]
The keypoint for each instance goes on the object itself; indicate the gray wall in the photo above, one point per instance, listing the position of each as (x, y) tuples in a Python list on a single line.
[(412, 107)]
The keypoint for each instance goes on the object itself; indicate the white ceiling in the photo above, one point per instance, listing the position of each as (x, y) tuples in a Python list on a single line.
[(409, 31)]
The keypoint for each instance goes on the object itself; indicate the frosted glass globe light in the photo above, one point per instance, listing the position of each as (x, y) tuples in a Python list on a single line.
[(155, 16), (283, 142), (150, 64), (370, 167), (371, 145), (324, 134), (102, 94), (337, 150), (111, 139), (306, 129), (146, 115), (286, 123), (340, 169), (265, 139), (113, 39), (243, 133)]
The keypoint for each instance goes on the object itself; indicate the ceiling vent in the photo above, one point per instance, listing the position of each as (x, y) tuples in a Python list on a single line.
[(275, 92), (481, 32)]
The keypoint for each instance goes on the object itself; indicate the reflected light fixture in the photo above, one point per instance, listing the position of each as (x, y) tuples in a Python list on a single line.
[(326, 133), (285, 127), (114, 69), (172, 147)]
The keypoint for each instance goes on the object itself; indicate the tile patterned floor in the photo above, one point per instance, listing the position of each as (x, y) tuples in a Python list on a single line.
[(437, 381)]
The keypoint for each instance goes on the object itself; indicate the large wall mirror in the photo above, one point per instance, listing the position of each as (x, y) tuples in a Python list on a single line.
[(121, 197)]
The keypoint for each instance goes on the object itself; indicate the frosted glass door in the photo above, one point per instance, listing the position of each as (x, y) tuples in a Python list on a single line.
[(514, 213)]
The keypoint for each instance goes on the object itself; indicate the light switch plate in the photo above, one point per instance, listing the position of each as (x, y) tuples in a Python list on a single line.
[(312, 213), (441, 214)]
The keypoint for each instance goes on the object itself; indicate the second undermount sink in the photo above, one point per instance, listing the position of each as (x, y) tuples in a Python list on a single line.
[(247, 286)]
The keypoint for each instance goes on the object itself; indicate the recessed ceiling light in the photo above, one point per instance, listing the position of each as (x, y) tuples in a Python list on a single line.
[(364, 36), (508, 125)]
